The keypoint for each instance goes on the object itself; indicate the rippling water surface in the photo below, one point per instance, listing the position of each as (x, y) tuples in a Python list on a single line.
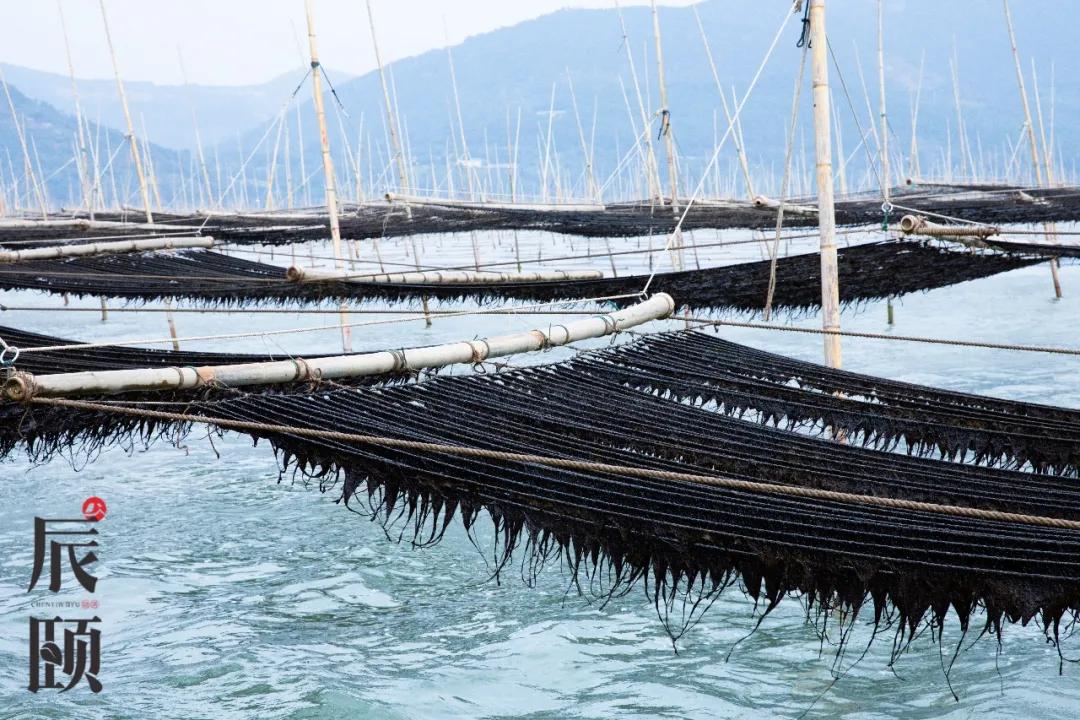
[(227, 594)]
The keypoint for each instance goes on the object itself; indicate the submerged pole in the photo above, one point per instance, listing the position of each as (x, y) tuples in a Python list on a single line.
[(830, 283), (143, 189), (328, 166)]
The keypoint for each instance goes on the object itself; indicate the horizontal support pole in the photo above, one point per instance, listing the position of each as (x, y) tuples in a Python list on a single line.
[(919, 225), (439, 277), (22, 386), (53, 252)]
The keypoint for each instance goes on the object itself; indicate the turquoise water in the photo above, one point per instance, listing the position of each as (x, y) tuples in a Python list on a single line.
[(227, 594)]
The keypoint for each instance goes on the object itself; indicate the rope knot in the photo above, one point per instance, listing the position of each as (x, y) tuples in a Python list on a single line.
[(19, 386), (480, 351), (8, 354), (610, 326), (401, 363)]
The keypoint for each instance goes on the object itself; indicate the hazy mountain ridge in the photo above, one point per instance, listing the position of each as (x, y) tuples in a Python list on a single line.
[(512, 70)]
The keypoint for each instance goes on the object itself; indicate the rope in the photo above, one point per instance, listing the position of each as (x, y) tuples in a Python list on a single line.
[(774, 251), (881, 336), (579, 465), (265, 333), (8, 354)]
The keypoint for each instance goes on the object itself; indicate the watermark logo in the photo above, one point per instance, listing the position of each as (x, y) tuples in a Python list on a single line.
[(69, 647)]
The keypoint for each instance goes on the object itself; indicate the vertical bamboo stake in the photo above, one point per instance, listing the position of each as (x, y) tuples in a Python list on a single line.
[(19, 132), (288, 176), (652, 170), (593, 189), (395, 144), (151, 174), (143, 190), (740, 150), (205, 171), (328, 168), (84, 167), (830, 285), (271, 172), (546, 162), (391, 121), (841, 169), (1030, 130), (665, 111), (886, 180), (461, 125), (913, 161)]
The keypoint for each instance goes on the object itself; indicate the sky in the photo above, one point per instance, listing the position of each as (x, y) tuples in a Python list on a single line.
[(241, 42)]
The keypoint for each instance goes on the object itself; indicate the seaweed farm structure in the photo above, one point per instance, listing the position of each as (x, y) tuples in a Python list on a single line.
[(670, 459)]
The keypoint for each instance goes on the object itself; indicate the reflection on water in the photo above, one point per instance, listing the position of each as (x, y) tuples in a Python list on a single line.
[(228, 594)]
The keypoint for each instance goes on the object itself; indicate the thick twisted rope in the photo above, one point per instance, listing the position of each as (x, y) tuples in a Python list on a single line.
[(570, 464)]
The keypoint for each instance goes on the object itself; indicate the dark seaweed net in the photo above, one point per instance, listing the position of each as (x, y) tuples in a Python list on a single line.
[(993, 205), (866, 272), (682, 542)]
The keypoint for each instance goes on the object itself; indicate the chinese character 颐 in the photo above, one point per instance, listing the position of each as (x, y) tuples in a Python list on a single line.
[(77, 657)]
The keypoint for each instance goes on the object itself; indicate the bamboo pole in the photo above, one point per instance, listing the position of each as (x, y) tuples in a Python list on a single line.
[(391, 121), (886, 180), (19, 132), (395, 143), (913, 160), (205, 171), (439, 277), (103, 248), (461, 126), (830, 284), (593, 190), (919, 225), (22, 386), (652, 170), (740, 150), (1033, 143), (150, 172), (328, 168), (143, 189), (665, 111), (84, 166)]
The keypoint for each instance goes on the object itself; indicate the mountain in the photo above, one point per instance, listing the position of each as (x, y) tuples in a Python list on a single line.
[(51, 137), (514, 70), (223, 111)]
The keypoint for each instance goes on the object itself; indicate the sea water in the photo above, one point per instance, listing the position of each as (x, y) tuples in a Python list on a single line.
[(225, 592)]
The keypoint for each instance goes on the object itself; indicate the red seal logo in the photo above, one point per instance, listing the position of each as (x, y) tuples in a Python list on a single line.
[(94, 508)]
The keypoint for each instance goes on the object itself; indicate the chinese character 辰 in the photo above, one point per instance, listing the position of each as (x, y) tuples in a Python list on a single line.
[(78, 657), (78, 566)]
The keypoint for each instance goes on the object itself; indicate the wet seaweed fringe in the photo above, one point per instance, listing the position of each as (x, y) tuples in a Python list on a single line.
[(867, 272), (870, 411), (683, 543), (990, 205)]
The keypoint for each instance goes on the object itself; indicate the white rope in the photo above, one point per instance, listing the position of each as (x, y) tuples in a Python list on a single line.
[(317, 328), (774, 250)]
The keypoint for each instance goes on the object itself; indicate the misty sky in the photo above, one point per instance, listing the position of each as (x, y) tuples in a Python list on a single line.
[(235, 42)]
